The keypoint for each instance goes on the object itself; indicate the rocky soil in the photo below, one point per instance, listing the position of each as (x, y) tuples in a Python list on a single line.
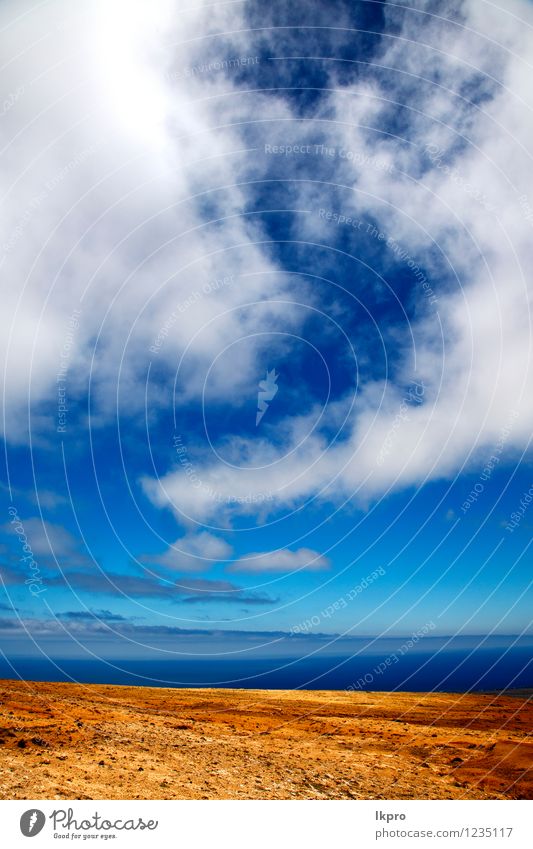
[(76, 741)]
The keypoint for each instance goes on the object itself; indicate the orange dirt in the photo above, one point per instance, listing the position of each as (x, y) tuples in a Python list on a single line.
[(75, 741)]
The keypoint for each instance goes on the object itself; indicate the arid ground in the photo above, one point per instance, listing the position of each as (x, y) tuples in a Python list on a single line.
[(75, 741)]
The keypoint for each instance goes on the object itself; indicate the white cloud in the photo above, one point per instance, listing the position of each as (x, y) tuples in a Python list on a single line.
[(44, 538), (194, 552), (115, 168), (464, 89), (129, 233), (283, 560)]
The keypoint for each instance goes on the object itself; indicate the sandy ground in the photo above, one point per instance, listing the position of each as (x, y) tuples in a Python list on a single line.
[(75, 741)]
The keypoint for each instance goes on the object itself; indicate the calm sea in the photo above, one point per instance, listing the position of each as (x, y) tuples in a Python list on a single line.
[(456, 669)]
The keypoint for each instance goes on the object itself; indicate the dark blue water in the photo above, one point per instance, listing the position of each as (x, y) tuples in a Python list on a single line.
[(452, 670)]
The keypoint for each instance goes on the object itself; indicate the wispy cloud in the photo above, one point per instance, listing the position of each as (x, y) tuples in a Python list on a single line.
[(191, 553), (457, 88), (283, 560), (91, 615)]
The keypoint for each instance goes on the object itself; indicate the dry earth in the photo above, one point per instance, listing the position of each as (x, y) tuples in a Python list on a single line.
[(75, 741)]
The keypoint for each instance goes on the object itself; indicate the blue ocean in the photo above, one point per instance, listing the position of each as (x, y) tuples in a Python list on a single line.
[(496, 664)]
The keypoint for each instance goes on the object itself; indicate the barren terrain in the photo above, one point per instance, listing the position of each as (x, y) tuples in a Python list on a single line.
[(75, 741)]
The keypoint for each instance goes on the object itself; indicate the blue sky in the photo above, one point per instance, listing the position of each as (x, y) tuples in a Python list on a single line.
[(321, 212)]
